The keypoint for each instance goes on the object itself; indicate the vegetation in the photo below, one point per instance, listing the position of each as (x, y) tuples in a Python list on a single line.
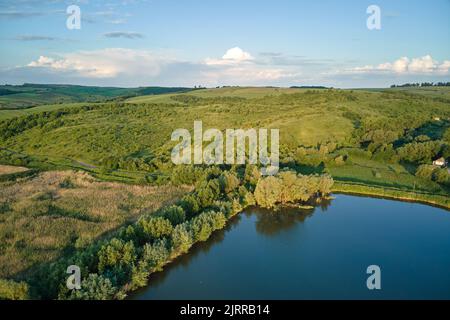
[(124, 260), (374, 142), (30, 95), (55, 213), (289, 187)]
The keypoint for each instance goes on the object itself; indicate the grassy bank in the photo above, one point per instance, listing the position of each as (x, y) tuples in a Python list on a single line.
[(392, 193)]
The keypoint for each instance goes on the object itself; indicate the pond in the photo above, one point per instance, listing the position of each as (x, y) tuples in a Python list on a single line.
[(317, 254)]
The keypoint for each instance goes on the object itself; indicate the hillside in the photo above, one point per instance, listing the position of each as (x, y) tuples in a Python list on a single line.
[(31, 95), (356, 135)]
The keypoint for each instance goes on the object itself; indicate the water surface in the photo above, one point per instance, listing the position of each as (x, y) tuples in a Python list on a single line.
[(317, 254)]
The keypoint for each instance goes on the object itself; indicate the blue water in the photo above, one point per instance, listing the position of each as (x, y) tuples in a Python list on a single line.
[(320, 254)]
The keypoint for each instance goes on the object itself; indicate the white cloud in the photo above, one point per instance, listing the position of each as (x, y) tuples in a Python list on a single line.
[(425, 65), (237, 54), (239, 67), (233, 56), (131, 67), (105, 63), (142, 66)]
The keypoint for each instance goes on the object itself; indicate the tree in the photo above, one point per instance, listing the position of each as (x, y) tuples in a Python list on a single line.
[(155, 255), (94, 287), (181, 239), (175, 214), (288, 187), (267, 192), (154, 227), (205, 223), (116, 260), (228, 182)]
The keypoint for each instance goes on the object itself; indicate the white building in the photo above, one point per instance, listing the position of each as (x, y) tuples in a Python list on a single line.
[(440, 162)]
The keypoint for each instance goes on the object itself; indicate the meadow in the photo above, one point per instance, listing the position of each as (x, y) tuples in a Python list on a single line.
[(53, 213)]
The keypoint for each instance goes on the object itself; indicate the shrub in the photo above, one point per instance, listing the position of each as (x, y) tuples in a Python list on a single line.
[(442, 176), (425, 171), (11, 290)]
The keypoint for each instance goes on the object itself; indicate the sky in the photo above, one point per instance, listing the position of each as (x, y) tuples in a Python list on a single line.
[(212, 43)]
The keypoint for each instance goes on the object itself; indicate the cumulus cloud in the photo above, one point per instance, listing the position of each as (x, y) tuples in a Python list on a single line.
[(126, 35), (239, 67), (132, 67), (237, 54), (425, 65), (105, 63), (233, 56), (119, 65)]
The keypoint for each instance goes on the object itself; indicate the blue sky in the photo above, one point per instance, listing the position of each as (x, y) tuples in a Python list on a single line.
[(211, 43)]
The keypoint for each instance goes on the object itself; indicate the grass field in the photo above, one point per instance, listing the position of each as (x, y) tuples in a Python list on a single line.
[(46, 216)]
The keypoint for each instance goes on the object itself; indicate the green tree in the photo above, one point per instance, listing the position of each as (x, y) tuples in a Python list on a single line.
[(181, 239), (268, 191), (94, 287)]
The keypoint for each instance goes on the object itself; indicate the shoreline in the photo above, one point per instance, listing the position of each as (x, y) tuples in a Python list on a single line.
[(439, 201)]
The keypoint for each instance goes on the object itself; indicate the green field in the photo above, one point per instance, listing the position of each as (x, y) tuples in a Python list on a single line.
[(31, 95)]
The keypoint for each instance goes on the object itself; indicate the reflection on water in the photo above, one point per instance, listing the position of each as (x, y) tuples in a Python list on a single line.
[(322, 253), (268, 223)]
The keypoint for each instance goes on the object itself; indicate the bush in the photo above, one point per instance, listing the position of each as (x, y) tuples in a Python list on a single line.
[(425, 171), (441, 176), (11, 290)]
